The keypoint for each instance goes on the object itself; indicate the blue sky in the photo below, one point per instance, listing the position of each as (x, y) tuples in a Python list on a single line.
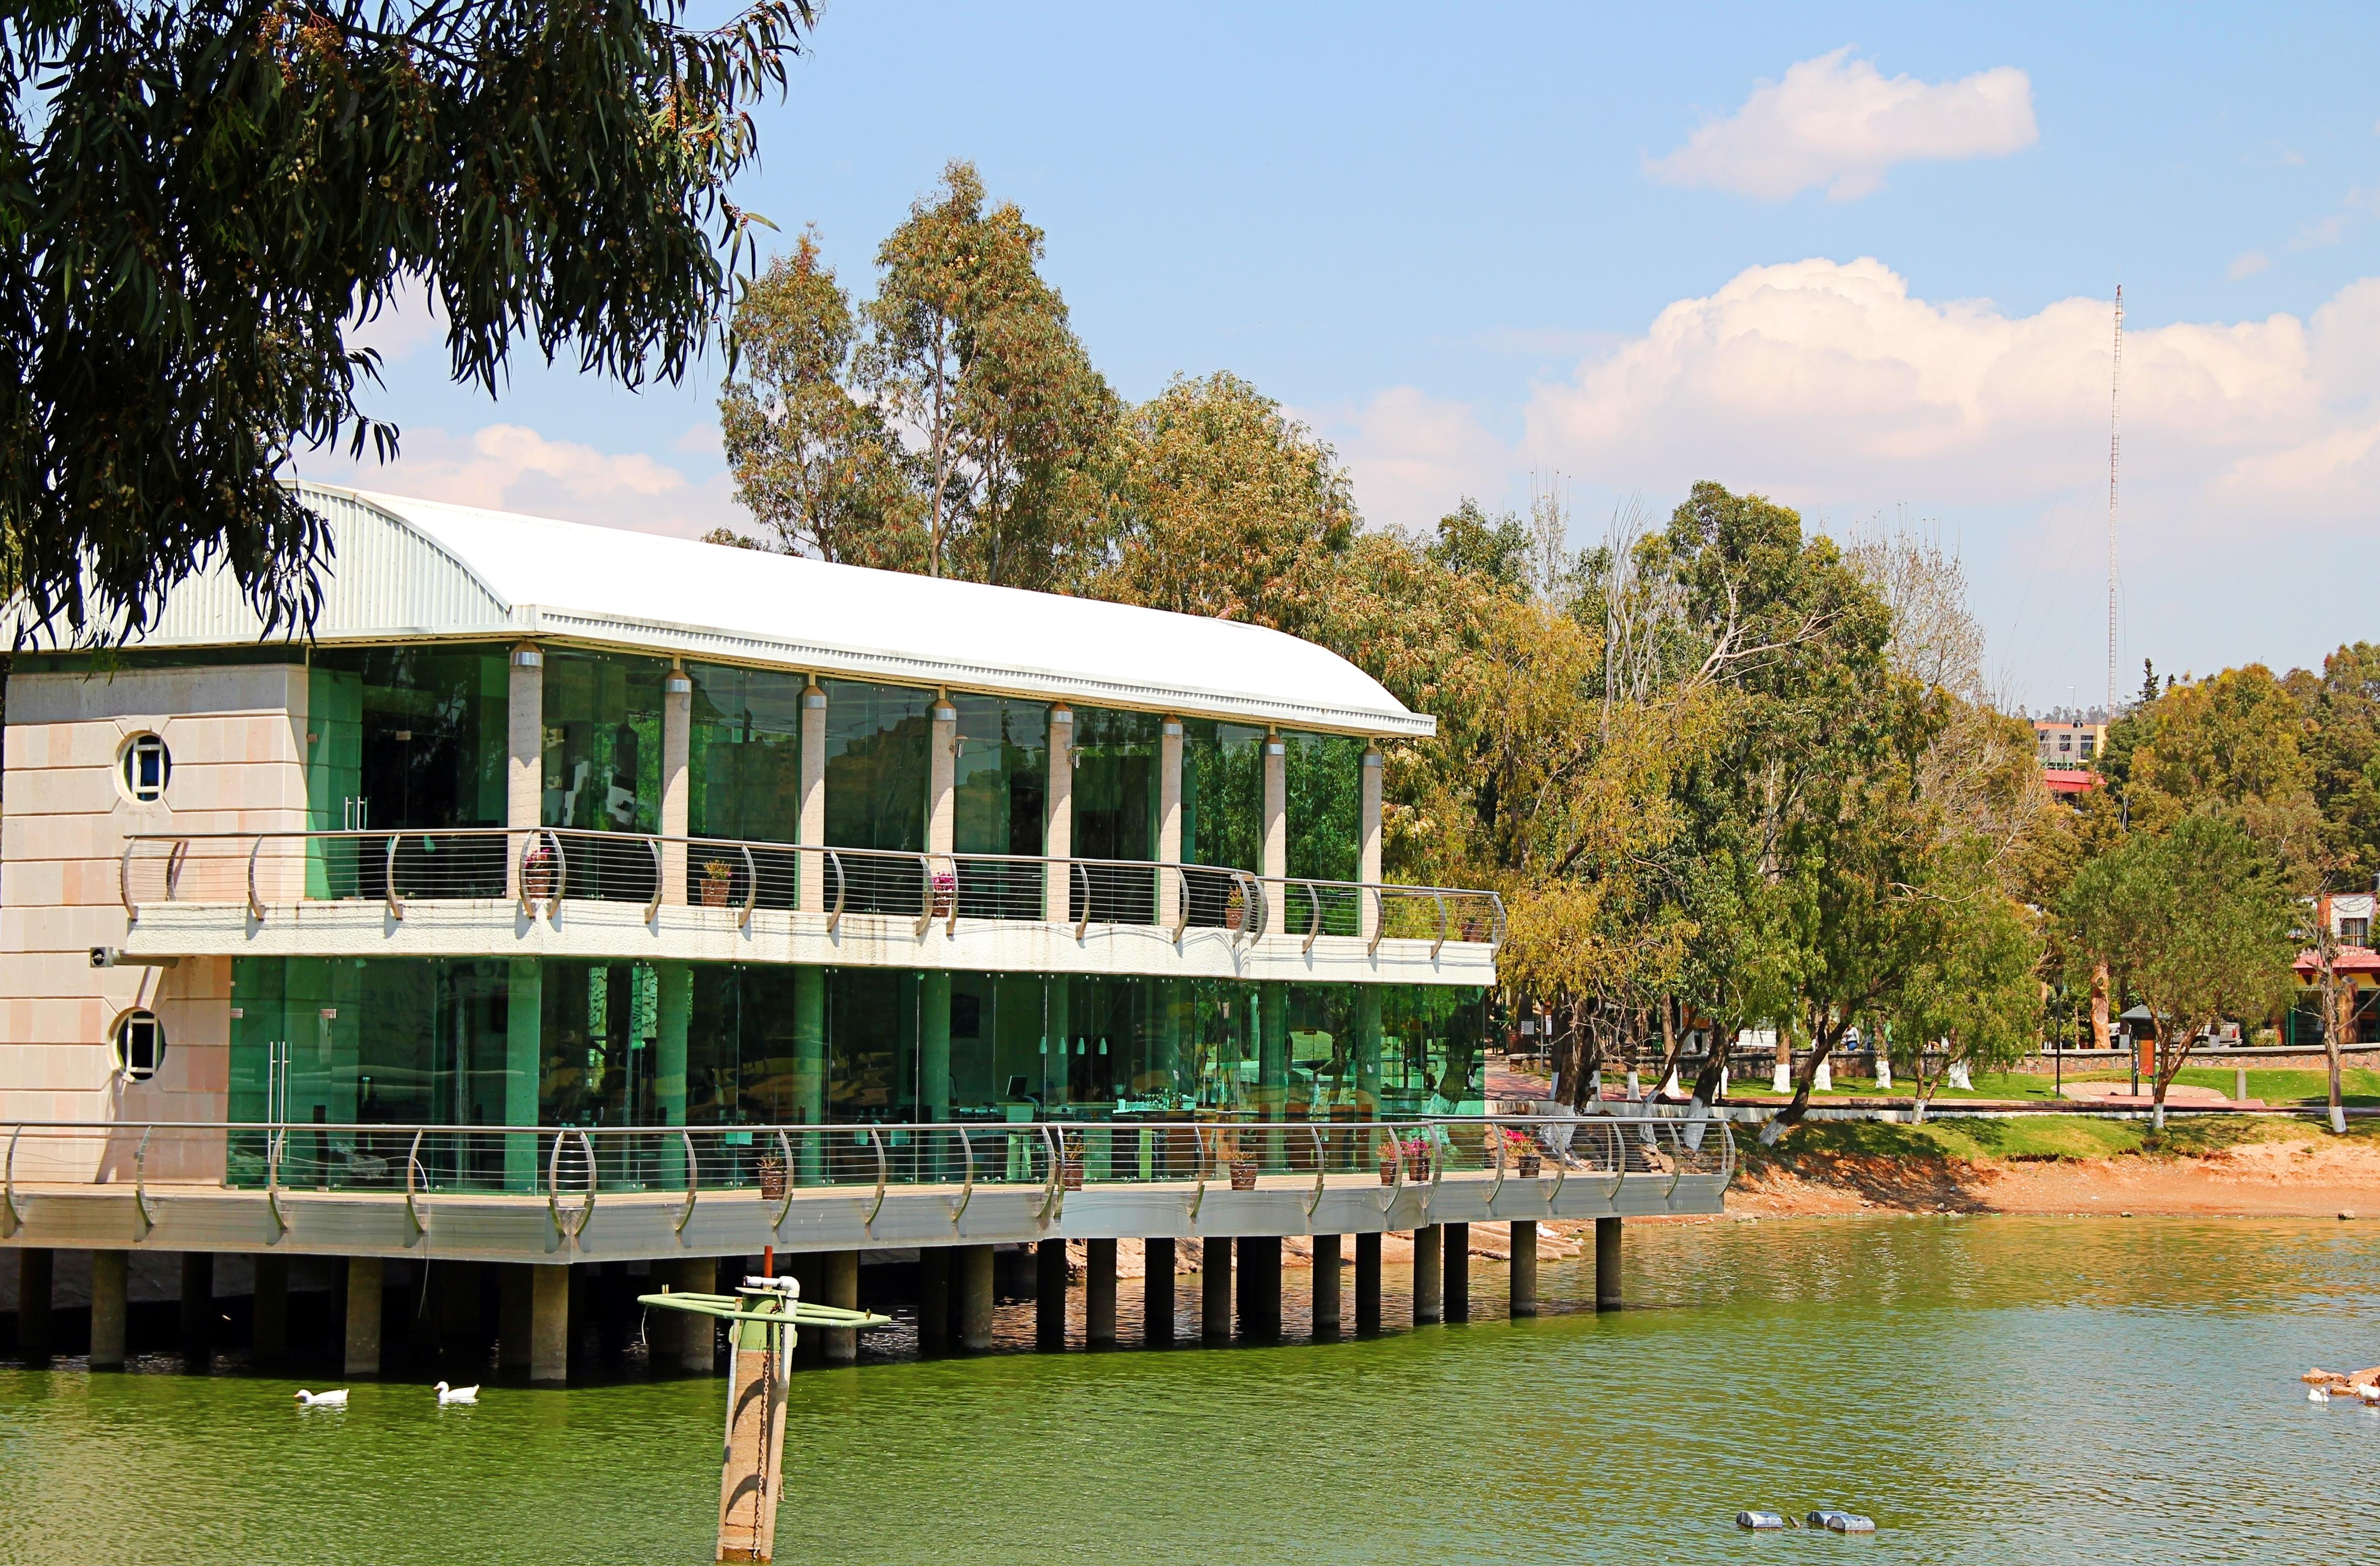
[(1857, 258)]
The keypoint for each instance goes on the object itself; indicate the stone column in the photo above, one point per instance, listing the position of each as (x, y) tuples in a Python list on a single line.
[(941, 778), (1276, 834), (1100, 1293), (364, 1302), (524, 763), (1259, 1259), (1058, 826), (1607, 1263), (523, 1067), (1215, 1290), (36, 1268), (515, 1316), (1050, 1294), (1525, 1267), (839, 1285), (1169, 890), (1367, 842), (933, 1299), (810, 1072), (1157, 1294), (677, 741), (197, 1304), (108, 1304), (1456, 1300), (1326, 1286), (973, 1265), (1367, 1284), (268, 1336), (1429, 1276), (548, 1333), (812, 828)]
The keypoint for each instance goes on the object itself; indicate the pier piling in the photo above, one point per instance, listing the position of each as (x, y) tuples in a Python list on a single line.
[(548, 1333), (1326, 1285), (1259, 1260), (933, 1299), (1525, 1267), (361, 1354), (1428, 1276), (1215, 1290), (109, 1303), (1157, 1294), (1100, 1293), (973, 1265), (1607, 1263), (36, 1267), (839, 1278), (1368, 1285), (1050, 1295), (1456, 1243)]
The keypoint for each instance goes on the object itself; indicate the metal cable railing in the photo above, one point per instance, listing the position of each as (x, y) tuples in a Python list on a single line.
[(574, 1165)]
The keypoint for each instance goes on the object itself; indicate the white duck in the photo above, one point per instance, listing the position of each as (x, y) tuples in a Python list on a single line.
[(321, 1400), (447, 1394), (2317, 1394)]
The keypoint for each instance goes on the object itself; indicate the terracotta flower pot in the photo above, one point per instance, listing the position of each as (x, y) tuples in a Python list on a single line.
[(715, 891), (1244, 1174), (773, 1178), (1529, 1166), (1069, 1172)]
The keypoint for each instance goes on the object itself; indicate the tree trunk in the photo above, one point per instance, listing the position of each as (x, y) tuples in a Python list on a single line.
[(2336, 1021), (2099, 987), (1822, 1044)]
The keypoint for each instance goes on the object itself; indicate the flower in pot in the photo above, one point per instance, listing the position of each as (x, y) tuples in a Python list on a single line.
[(1235, 909), (772, 1176), (1244, 1173), (1070, 1162), (1523, 1149), (718, 875), (541, 871)]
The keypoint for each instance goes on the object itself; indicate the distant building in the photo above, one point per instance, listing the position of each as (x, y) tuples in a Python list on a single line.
[(2065, 745)]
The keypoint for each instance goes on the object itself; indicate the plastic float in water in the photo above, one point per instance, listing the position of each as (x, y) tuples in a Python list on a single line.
[(1760, 1519), (1840, 1521)]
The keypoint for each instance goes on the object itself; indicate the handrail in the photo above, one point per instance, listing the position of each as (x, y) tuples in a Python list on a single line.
[(966, 1188), (9, 1183), (412, 1170), (273, 1143), (694, 1179), (785, 1202), (1054, 1189), (1497, 1189), (1321, 1170), (140, 1181), (1256, 921), (882, 1170), (1199, 1165)]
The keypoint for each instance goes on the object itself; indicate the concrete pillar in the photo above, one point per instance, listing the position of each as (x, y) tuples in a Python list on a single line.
[(941, 778), (1326, 1286), (1457, 1245), (933, 1299), (108, 1301), (677, 738), (1367, 842), (548, 1330), (1215, 1290), (973, 1265), (1157, 1294), (1276, 834), (523, 1067), (1169, 890), (1607, 1263), (1050, 1294), (1100, 1293), (1367, 1284), (1525, 1267), (809, 1071), (524, 763), (36, 1268), (1429, 1275), (934, 1045), (268, 1335), (198, 1303), (839, 1285), (515, 1317), (1058, 826), (364, 1301), (812, 828), (1259, 1259)]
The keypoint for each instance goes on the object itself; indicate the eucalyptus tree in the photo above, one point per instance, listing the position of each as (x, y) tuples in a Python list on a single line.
[(205, 196)]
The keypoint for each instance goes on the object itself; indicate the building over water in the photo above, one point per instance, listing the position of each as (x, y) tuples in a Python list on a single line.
[(578, 894)]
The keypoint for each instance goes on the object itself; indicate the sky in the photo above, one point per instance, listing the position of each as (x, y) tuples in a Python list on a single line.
[(1859, 259)]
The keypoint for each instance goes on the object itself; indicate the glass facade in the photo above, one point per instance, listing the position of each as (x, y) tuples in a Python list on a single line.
[(475, 1042), (604, 741), (1223, 795), (1322, 778), (744, 754)]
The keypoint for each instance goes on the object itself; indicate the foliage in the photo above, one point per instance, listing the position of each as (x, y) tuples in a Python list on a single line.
[(2233, 746), (205, 196), (2196, 919), (1975, 991)]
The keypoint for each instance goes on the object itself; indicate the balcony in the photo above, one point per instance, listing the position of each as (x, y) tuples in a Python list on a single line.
[(574, 894), (593, 1194)]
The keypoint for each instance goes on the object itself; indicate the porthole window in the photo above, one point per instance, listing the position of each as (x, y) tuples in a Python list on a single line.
[(148, 766), (139, 1045)]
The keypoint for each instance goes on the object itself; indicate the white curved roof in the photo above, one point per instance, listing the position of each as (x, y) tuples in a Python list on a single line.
[(408, 568)]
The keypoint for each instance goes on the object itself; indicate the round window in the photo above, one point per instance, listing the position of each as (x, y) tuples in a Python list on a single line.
[(148, 765), (139, 1045)]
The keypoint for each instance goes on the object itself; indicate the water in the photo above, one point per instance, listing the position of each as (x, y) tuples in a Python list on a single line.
[(1998, 1390)]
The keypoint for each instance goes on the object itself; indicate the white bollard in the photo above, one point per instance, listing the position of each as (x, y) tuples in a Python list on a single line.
[(1782, 1080)]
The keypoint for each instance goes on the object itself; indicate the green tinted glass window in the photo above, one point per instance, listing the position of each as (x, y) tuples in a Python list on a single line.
[(604, 741), (877, 739), (744, 754)]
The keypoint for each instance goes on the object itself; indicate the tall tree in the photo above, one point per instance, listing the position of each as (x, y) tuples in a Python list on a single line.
[(205, 196), (2195, 920), (812, 460)]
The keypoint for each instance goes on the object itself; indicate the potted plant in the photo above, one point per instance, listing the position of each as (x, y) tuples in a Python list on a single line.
[(1390, 1151), (718, 876), (540, 870), (945, 894), (772, 1177), (1244, 1173), (1070, 1161), (1235, 909), (1524, 1149), (1417, 1160)]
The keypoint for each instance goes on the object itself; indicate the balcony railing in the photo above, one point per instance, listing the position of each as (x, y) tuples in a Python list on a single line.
[(541, 869), (571, 1167)]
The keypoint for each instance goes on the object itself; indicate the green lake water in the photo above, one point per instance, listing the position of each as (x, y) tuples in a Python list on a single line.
[(1995, 1389)]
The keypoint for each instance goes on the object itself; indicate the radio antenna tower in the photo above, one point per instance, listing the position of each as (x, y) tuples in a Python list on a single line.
[(2115, 454)]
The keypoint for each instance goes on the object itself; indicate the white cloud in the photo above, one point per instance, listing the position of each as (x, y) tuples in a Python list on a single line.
[(1838, 122), (512, 467), (1822, 383), (1410, 456), (2247, 264), (410, 318)]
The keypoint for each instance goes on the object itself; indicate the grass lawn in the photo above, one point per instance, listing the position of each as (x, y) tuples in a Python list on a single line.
[(1988, 1085), (2071, 1136), (2357, 1086)]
